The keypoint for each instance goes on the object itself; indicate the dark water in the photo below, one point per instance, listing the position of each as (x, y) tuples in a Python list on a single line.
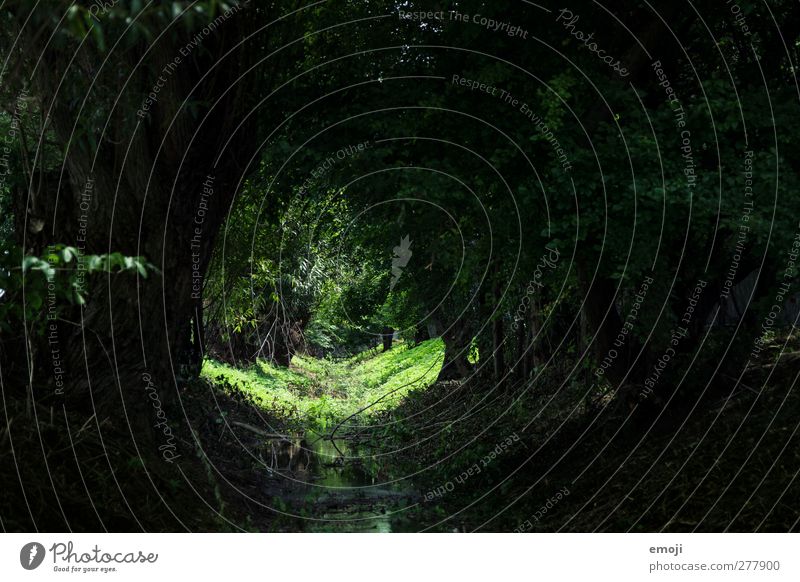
[(329, 486)]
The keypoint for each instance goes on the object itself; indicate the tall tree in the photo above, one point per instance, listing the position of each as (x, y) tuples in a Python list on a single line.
[(147, 106)]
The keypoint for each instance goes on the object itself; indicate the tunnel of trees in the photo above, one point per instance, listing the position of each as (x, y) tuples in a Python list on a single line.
[(595, 238)]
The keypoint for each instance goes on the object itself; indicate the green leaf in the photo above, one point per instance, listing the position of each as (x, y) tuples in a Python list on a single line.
[(94, 262), (29, 262), (69, 253)]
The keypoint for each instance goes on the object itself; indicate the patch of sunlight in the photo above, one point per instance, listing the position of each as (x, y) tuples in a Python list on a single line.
[(322, 392), (473, 357)]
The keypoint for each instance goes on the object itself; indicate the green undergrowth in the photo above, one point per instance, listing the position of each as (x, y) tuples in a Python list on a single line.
[(322, 392), (727, 461)]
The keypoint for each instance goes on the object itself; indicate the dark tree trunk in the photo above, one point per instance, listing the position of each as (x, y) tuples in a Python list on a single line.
[(387, 336), (533, 339), (457, 340), (421, 334), (498, 349), (601, 317), (498, 337), (284, 342), (520, 364), (157, 185)]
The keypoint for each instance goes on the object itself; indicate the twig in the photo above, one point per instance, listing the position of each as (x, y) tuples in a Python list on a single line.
[(258, 431)]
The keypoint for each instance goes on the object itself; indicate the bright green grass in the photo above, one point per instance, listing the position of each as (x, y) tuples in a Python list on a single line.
[(323, 392)]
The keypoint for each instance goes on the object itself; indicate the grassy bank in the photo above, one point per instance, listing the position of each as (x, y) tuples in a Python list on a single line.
[(318, 392), (543, 457)]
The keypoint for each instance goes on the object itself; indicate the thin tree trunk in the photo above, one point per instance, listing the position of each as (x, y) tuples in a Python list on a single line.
[(456, 349), (498, 339), (387, 336)]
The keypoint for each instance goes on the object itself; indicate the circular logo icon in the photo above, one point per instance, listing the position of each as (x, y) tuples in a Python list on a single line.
[(31, 555)]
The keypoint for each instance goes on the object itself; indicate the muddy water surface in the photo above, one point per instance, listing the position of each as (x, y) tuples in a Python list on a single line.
[(330, 486)]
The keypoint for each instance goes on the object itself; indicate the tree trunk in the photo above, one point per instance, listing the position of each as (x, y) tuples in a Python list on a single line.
[(421, 334), (520, 364), (533, 339), (387, 335), (600, 316), (498, 348), (456, 349), (158, 185)]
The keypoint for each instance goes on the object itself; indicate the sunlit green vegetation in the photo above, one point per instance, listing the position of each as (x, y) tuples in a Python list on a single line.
[(239, 205), (324, 391)]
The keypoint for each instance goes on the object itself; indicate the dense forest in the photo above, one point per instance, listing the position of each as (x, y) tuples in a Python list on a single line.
[(399, 266)]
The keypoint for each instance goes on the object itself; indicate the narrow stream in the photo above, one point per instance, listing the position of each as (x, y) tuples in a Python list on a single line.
[(338, 489)]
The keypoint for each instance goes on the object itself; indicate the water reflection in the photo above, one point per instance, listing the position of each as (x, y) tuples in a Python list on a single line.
[(335, 488)]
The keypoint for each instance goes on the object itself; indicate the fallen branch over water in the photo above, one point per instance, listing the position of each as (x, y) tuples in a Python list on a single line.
[(261, 433)]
